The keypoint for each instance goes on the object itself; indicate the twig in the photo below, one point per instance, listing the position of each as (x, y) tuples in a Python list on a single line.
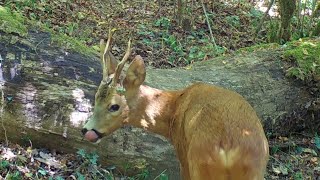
[(2, 104), (263, 19), (36, 47), (210, 30), (160, 174), (30, 143), (275, 159)]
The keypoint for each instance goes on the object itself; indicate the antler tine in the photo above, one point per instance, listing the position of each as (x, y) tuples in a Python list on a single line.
[(121, 65), (105, 53), (103, 62)]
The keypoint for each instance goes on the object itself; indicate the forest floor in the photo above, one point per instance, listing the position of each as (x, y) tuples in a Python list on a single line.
[(295, 157), (164, 44)]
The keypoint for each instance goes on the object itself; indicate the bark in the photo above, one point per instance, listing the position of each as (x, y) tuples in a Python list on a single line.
[(180, 11), (286, 8), (48, 92)]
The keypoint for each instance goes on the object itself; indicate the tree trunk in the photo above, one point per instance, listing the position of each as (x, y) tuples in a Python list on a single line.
[(48, 94), (180, 11), (286, 9)]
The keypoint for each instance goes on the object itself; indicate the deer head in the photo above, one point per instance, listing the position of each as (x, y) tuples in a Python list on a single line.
[(111, 110)]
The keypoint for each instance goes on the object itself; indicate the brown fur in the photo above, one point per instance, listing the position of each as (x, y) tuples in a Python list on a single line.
[(204, 126), (216, 133)]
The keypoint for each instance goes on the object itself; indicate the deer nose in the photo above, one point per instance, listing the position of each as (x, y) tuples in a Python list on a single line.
[(84, 131)]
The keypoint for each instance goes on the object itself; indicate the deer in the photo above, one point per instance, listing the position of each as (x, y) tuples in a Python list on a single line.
[(215, 132)]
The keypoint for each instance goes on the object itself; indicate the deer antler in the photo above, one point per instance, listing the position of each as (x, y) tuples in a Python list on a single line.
[(121, 65), (103, 63), (105, 54)]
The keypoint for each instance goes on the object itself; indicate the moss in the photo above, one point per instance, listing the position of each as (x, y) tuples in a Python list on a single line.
[(12, 22), (305, 55), (316, 31), (68, 42), (259, 47)]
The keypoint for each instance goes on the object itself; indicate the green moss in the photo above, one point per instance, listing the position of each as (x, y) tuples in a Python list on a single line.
[(68, 42), (259, 47), (12, 22), (305, 55)]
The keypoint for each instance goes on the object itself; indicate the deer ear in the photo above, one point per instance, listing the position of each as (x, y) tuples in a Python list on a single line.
[(136, 74)]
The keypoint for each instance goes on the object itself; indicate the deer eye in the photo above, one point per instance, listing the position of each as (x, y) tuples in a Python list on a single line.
[(114, 108)]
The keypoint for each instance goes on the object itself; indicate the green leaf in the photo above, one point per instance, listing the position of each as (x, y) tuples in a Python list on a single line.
[(42, 172), (317, 141), (59, 178), (163, 176), (310, 151), (4, 164), (82, 153), (93, 158), (80, 176), (298, 176)]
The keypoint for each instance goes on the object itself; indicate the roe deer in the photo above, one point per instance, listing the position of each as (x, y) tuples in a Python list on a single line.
[(215, 132)]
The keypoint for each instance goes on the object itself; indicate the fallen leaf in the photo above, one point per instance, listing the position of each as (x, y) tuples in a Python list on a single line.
[(280, 170), (314, 160), (276, 170), (311, 151)]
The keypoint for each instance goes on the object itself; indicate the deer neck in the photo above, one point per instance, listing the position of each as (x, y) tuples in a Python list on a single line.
[(152, 109)]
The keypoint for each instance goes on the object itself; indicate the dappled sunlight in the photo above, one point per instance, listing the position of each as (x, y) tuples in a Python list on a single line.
[(1, 71), (10, 70), (155, 108), (263, 7), (7, 154), (144, 123), (27, 96), (82, 109)]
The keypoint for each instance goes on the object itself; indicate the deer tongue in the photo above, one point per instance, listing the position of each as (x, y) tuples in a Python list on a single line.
[(91, 136)]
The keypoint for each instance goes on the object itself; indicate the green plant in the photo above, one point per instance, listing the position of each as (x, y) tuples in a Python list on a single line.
[(71, 27), (298, 176), (42, 172), (172, 42), (80, 176), (144, 174), (163, 176), (55, 178), (12, 22), (255, 13), (14, 176), (4, 164), (163, 22), (233, 21), (317, 141), (92, 158), (305, 56), (274, 149), (272, 33)]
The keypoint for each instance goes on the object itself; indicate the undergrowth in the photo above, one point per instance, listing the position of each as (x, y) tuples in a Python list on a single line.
[(304, 55)]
